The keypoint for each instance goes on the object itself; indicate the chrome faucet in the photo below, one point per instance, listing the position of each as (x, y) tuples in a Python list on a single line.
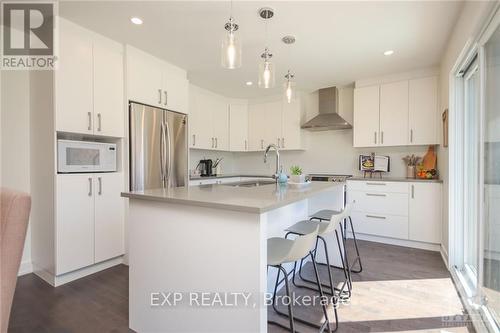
[(276, 174)]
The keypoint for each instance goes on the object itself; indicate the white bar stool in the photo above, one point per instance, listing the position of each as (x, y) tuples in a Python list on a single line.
[(324, 215), (304, 227), (281, 251)]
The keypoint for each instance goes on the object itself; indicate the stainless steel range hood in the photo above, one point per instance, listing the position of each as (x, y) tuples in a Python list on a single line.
[(335, 106)]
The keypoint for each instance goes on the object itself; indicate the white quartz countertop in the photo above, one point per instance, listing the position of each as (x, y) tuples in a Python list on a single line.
[(258, 199)]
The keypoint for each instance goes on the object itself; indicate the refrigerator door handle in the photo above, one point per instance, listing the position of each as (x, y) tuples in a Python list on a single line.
[(162, 158), (168, 162)]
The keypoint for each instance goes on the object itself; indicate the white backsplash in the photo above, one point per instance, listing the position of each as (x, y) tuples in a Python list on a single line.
[(326, 152)]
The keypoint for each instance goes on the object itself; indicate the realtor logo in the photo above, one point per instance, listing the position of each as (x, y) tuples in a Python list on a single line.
[(28, 35)]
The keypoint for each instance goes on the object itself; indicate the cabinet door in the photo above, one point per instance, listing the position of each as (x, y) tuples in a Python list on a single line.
[(291, 138), (423, 111), (394, 114), (175, 89), (109, 220), (74, 80), (425, 212), (109, 112), (144, 78), (238, 127), (366, 116), (256, 129), (220, 112), (74, 222), (272, 122), (200, 120)]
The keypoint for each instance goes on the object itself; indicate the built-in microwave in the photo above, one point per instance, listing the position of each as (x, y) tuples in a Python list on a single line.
[(85, 156)]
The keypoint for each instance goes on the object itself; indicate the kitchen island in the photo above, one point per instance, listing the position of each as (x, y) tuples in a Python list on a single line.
[(198, 254)]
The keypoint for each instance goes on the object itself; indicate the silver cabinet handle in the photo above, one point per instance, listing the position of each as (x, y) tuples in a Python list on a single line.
[(261, 144), (99, 191), (376, 195), (99, 122), (282, 142), (89, 117), (194, 140), (90, 187), (376, 184), (382, 137), (246, 145), (375, 138), (216, 143), (411, 135), (413, 191), (159, 96), (166, 96), (376, 217), (212, 142), (279, 146)]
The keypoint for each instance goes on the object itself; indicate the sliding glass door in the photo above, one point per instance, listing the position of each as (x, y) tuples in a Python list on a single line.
[(490, 278)]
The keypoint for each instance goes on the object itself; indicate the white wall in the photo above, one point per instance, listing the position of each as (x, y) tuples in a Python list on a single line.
[(471, 20), (15, 138)]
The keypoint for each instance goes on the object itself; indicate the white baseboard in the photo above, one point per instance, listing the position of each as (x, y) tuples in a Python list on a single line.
[(59, 280), (444, 255), (26, 267), (395, 241)]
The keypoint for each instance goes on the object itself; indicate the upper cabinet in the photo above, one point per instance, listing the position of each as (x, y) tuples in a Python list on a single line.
[(208, 120), (89, 83), (423, 106), (155, 82), (238, 126), (398, 113)]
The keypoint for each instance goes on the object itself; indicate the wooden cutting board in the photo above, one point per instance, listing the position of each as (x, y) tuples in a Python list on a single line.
[(430, 159)]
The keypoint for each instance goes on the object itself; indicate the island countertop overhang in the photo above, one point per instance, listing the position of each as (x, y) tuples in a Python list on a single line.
[(257, 200)]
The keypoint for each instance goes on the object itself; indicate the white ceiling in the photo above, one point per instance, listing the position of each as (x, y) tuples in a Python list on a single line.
[(337, 42)]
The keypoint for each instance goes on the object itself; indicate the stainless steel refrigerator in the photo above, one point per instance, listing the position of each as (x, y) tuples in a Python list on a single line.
[(158, 148)]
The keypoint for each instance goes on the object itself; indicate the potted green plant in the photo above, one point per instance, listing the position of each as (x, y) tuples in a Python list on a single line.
[(296, 174)]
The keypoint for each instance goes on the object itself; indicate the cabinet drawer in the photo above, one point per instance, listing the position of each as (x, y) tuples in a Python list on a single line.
[(381, 225), (377, 186), (379, 202)]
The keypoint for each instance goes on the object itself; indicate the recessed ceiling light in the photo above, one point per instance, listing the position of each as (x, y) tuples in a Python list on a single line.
[(136, 20), (249, 83), (388, 52)]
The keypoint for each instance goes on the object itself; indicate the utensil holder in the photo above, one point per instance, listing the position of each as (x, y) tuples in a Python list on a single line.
[(410, 171)]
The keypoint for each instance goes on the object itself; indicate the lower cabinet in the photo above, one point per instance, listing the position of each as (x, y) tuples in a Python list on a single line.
[(402, 210), (89, 220)]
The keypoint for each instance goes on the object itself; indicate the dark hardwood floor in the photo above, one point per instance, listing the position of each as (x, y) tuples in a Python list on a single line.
[(99, 303)]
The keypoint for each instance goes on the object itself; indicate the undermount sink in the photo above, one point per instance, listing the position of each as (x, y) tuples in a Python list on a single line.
[(251, 183)]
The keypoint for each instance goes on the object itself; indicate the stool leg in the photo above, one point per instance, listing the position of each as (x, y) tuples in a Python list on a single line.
[(290, 311), (358, 256), (345, 269), (325, 312)]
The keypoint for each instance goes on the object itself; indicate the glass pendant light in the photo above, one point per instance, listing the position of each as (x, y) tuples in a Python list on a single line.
[(266, 67), (289, 87), (231, 45), (266, 71)]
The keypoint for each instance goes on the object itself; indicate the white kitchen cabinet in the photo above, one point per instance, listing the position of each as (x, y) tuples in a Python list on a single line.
[(109, 112), (393, 114), (425, 212), (423, 106), (155, 82), (220, 115), (272, 123), (256, 126), (73, 80), (291, 132), (238, 127), (89, 83), (89, 220), (366, 116), (108, 216), (75, 222)]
